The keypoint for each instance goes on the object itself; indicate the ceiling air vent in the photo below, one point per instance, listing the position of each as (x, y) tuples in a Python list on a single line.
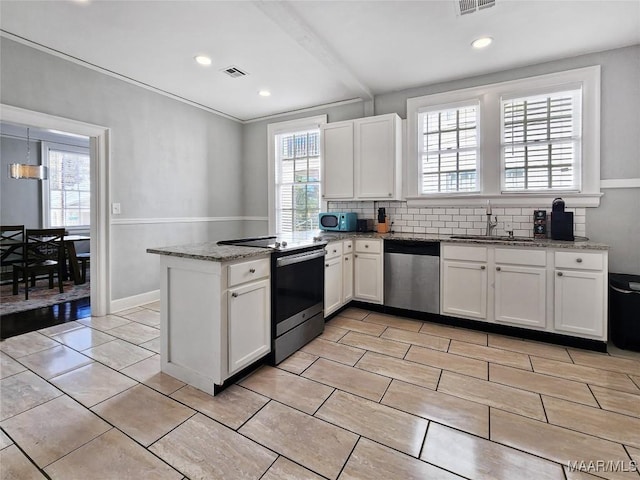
[(469, 6), (234, 72)]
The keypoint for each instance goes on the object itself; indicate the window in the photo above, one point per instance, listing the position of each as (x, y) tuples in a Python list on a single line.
[(449, 149), (295, 168), (541, 138), (67, 192), (518, 142)]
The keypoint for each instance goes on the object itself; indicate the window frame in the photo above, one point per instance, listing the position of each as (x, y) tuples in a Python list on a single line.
[(441, 108), (46, 185), (280, 128), (490, 164)]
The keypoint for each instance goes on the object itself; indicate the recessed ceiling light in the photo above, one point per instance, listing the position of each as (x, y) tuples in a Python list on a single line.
[(264, 93), (482, 42), (202, 59)]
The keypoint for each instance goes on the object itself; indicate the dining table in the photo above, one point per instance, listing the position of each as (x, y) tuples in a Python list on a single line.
[(73, 269)]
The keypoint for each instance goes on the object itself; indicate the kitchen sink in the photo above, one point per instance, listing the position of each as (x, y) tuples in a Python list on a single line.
[(492, 238)]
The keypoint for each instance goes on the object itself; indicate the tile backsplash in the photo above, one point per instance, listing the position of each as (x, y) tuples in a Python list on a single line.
[(455, 220)]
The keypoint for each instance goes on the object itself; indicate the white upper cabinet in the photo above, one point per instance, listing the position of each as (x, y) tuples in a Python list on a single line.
[(337, 164), (362, 159)]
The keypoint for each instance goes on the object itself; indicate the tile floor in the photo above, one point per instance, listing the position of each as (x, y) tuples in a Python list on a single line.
[(376, 397)]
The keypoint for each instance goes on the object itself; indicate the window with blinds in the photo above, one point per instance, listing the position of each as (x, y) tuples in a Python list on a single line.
[(541, 138), (69, 186), (448, 149), (297, 181)]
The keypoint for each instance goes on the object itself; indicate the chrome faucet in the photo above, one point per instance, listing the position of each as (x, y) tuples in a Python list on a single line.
[(491, 225)]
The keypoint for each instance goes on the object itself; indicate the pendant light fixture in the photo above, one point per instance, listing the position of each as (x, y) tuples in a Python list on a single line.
[(25, 170)]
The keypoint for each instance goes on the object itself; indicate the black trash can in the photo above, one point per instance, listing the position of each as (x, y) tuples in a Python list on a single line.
[(624, 310)]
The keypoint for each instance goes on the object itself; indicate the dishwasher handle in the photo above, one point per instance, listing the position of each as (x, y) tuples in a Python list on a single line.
[(412, 247)]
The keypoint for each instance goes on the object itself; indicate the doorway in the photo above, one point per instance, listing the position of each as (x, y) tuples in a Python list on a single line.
[(99, 201)]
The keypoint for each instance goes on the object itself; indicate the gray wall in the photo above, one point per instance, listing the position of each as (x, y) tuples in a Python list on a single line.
[(20, 200), (168, 159)]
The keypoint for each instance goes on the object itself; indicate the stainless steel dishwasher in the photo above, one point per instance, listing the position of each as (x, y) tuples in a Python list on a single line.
[(412, 275)]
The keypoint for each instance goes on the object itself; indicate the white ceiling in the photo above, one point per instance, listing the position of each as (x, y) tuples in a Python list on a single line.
[(309, 53)]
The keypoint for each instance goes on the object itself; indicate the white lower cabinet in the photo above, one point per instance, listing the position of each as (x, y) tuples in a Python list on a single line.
[(332, 285), (368, 271), (520, 287), (559, 291), (249, 328), (215, 318), (464, 281), (338, 275), (580, 294)]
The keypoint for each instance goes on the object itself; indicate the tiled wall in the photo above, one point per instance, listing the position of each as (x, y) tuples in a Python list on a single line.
[(454, 220)]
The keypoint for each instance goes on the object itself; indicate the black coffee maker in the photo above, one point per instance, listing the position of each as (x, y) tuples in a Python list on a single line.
[(561, 221)]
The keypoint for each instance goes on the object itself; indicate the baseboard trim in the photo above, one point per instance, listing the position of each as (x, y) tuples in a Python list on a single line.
[(134, 301)]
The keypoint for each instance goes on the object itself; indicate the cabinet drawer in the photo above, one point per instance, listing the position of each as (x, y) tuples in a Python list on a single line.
[(333, 249), (537, 258), (579, 260), (247, 271), (458, 252), (368, 246), (347, 247)]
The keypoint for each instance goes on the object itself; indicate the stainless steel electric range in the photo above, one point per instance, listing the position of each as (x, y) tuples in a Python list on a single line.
[(297, 289)]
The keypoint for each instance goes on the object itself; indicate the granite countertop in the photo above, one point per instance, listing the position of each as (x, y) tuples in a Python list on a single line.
[(427, 237), (211, 251)]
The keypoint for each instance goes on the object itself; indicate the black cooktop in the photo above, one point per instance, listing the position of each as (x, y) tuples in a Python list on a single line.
[(283, 243)]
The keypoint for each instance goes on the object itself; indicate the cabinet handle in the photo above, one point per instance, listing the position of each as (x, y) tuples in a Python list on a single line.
[(482, 267), (559, 274), (234, 294), (498, 269), (252, 270), (579, 260)]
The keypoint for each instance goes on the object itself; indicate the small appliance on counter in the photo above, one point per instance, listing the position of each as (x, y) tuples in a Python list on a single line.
[(364, 225), (561, 221), (383, 225), (539, 224), (338, 221)]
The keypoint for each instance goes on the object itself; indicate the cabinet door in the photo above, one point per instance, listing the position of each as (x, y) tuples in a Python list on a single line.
[(249, 325), (579, 302), (520, 295), (368, 277), (375, 157), (347, 278), (464, 289), (337, 164), (332, 285)]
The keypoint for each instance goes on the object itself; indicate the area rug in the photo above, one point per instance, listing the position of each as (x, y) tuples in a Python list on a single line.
[(40, 296)]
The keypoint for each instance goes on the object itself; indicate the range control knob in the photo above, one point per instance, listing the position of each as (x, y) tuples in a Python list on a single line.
[(284, 244), (277, 244)]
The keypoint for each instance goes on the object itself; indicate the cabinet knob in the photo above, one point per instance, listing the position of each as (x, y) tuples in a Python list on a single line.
[(498, 269), (252, 270), (335, 251), (326, 264), (366, 246), (356, 256), (346, 259), (389, 194), (559, 274), (234, 294), (579, 260), (482, 267)]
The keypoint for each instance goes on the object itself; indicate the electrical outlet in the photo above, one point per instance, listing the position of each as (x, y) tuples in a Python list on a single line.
[(508, 227), (115, 209)]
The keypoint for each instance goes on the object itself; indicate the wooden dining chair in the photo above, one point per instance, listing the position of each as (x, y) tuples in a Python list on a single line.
[(43, 253), (11, 245)]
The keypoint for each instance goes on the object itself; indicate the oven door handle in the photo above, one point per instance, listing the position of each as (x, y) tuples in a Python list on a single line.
[(300, 257)]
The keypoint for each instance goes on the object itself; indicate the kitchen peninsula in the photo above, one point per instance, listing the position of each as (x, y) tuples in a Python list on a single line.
[(215, 311)]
